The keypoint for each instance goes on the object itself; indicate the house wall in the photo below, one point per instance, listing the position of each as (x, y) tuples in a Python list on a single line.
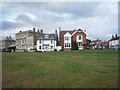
[(48, 42), (5, 44), (26, 40), (74, 38), (114, 44), (61, 37)]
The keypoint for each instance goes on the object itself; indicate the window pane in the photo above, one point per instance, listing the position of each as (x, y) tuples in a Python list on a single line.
[(39, 47), (79, 37)]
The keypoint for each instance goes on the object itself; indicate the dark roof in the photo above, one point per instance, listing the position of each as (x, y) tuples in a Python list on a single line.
[(9, 40), (27, 31), (114, 38), (50, 36)]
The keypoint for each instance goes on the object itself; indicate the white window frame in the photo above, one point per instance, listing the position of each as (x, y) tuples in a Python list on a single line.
[(79, 45), (67, 45), (79, 40), (46, 36)]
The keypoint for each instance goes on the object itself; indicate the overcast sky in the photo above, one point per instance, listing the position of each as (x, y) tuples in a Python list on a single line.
[(99, 19)]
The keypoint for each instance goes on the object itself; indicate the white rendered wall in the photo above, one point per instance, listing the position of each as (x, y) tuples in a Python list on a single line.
[(43, 48)]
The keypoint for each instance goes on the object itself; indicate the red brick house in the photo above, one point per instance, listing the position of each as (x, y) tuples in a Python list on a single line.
[(72, 40)]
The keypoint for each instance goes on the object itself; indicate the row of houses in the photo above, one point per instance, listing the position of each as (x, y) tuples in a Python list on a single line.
[(37, 40), (40, 41)]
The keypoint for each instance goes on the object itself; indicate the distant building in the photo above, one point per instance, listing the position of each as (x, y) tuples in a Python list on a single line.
[(5, 44), (27, 40), (99, 44), (114, 43), (47, 42), (72, 39)]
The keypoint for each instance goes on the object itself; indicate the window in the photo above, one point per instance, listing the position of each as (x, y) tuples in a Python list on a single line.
[(79, 44), (67, 45), (79, 37), (51, 41), (39, 47), (46, 36), (66, 38), (51, 47), (40, 41)]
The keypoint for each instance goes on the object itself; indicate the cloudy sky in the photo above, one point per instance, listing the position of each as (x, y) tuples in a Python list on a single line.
[(99, 19)]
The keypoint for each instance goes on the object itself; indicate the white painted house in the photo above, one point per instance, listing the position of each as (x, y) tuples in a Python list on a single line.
[(47, 42), (114, 43)]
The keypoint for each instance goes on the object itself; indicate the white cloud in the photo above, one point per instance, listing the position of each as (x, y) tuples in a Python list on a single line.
[(99, 19)]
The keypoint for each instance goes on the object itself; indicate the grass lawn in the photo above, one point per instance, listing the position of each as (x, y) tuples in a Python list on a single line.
[(65, 69)]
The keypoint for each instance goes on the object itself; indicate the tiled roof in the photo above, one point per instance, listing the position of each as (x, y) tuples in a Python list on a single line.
[(27, 31), (70, 31)]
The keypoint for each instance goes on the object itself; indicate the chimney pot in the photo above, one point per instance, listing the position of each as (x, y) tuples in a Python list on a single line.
[(116, 35), (59, 28), (38, 30), (7, 38), (34, 29), (41, 31), (55, 31), (112, 36), (10, 37)]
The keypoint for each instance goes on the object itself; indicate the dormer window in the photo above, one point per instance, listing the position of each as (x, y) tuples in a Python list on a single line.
[(46, 36)]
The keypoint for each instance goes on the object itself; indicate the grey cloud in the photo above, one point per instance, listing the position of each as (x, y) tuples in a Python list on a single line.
[(82, 9), (24, 19), (50, 15), (8, 25)]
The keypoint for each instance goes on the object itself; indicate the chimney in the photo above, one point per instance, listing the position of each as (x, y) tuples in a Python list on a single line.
[(41, 31), (7, 38), (55, 31), (116, 35), (10, 37), (34, 29), (38, 31), (59, 28), (112, 36)]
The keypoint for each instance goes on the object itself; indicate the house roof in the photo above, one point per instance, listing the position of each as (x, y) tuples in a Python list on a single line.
[(72, 32), (9, 40), (49, 36), (104, 43), (115, 38), (31, 31), (64, 32), (96, 41)]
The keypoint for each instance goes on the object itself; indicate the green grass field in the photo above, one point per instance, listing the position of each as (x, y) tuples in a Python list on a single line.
[(65, 69)]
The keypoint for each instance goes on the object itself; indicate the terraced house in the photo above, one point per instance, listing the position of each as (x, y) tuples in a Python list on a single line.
[(26, 40)]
